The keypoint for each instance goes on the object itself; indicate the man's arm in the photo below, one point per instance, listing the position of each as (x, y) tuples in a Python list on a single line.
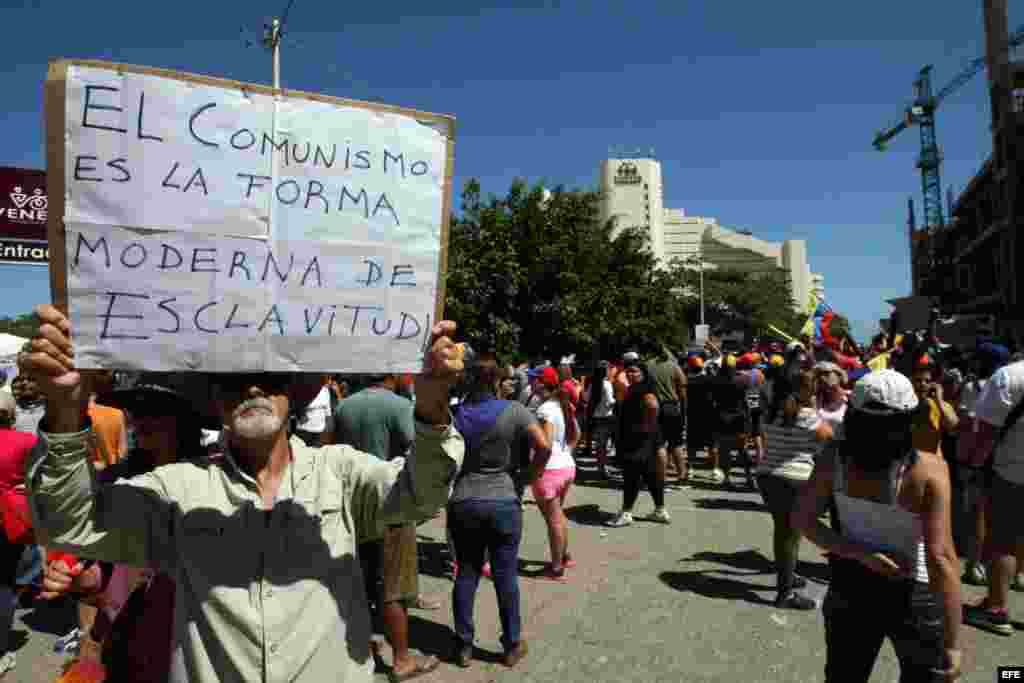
[(679, 380), (129, 521), (415, 488), (126, 521), (649, 424), (400, 491)]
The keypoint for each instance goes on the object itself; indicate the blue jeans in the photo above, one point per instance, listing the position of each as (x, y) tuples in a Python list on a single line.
[(494, 526)]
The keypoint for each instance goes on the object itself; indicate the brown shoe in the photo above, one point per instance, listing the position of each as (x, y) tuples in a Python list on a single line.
[(513, 656)]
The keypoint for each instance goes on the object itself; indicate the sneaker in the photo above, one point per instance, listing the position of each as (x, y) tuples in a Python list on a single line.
[(463, 653), (799, 582), (7, 662), (621, 519), (568, 561), (660, 515), (793, 600), (68, 644), (995, 621), (515, 654), (717, 476), (975, 575)]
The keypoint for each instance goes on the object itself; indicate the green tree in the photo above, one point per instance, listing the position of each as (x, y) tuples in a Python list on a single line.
[(739, 301), (537, 273), (22, 326)]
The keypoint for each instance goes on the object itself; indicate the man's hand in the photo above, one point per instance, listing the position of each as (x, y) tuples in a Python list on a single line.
[(441, 369), (882, 564), (60, 579), (48, 358)]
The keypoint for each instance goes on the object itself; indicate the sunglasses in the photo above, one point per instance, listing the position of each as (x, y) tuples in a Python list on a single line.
[(235, 383)]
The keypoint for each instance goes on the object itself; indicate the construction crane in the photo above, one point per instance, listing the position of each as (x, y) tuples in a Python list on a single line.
[(921, 113)]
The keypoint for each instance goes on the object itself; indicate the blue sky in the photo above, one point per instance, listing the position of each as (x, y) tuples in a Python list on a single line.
[(761, 114)]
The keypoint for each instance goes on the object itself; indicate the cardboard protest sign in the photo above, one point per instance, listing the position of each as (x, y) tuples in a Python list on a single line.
[(218, 226)]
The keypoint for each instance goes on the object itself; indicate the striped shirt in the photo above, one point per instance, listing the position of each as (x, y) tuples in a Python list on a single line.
[(790, 451)]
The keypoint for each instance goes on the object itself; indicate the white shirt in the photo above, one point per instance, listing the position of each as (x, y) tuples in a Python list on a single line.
[(318, 413), (550, 412), (969, 395), (1005, 390)]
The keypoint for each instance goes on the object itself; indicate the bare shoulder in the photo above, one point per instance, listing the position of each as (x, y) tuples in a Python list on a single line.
[(929, 475)]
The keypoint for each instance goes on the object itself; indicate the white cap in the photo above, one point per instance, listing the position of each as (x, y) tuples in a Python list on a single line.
[(883, 392), (631, 355)]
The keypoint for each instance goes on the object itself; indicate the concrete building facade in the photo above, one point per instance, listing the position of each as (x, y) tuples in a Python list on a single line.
[(633, 196)]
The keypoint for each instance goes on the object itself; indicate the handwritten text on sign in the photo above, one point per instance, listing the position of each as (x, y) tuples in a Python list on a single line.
[(175, 300), (280, 204)]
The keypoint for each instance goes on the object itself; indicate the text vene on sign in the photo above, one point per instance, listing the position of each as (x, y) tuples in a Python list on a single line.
[(218, 226), (23, 204)]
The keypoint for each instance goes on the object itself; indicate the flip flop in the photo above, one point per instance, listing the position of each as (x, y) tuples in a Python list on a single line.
[(424, 665)]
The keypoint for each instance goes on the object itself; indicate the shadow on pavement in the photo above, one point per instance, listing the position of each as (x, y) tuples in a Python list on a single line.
[(739, 504), (756, 563), (430, 637), (438, 640), (434, 558), (702, 583), (587, 515)]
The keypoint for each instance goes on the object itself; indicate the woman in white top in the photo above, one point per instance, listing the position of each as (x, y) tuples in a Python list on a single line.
[(551, 488), (832, 395), (792, 438), (895, 573)]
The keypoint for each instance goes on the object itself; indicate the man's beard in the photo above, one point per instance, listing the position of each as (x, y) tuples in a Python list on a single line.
[(262, 424)]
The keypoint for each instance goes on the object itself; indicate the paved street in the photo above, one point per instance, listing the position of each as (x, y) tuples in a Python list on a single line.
[(686, 602)]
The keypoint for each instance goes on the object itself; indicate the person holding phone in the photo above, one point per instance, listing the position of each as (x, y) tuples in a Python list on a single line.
[(935, 417)]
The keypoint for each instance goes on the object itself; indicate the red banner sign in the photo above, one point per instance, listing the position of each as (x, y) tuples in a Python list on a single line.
[(23, 204)]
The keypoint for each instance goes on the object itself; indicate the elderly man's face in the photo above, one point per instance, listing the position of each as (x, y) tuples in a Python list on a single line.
[(254, 406)]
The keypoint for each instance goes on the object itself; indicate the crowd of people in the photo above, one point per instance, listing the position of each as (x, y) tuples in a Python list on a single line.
[(173, 507)]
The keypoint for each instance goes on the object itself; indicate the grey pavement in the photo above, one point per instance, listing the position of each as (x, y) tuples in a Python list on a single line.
[(690, 601)]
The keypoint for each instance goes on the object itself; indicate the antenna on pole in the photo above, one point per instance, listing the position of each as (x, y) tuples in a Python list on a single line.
[(273, 32)]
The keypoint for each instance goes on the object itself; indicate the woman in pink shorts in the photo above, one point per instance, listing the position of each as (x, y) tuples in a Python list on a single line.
[(551, 488)]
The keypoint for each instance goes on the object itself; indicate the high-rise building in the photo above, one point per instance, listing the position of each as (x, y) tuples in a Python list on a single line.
[(632, 193), (633, 197)]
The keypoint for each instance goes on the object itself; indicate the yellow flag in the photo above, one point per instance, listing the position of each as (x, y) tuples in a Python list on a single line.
[(879, 362)]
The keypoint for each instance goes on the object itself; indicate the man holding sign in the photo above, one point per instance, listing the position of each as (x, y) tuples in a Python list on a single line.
[(262, 541)]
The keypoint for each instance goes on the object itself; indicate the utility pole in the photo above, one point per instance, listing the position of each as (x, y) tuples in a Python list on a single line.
[(272, 41), (272, 34), (702, 289)]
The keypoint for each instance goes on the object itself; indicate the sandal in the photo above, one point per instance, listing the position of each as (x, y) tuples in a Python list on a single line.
[(424, 665)]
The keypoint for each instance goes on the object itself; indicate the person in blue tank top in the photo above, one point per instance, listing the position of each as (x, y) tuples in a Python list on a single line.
[(484, 514)]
